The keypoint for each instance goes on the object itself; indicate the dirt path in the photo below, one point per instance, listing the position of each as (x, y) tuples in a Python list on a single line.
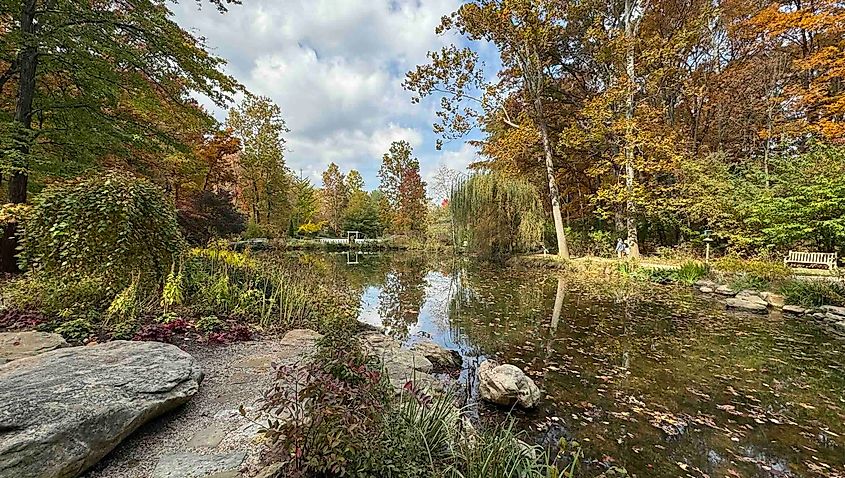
[(207, 436)]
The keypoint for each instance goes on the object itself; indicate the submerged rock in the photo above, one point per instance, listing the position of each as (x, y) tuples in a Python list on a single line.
[(17, 345), (506, 385), (439, 356), (66, 409)]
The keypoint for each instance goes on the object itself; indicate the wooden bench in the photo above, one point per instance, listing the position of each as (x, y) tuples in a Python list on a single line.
[(811, 259)]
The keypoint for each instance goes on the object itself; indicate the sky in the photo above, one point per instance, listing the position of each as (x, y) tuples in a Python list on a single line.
[(335, 67)]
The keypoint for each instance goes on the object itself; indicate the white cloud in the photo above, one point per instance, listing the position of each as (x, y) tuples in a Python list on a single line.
[(335, 67)]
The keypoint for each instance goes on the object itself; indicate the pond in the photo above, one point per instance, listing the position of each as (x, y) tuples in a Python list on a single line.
[(653, 378)]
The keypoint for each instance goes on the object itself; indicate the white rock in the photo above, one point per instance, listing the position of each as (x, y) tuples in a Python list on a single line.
[(774, 300), (506, 385)]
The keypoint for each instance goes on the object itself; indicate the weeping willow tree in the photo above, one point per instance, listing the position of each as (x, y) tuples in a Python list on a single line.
[(496, 214)]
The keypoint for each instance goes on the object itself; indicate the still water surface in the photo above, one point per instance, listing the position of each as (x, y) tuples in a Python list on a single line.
[(653, 378)]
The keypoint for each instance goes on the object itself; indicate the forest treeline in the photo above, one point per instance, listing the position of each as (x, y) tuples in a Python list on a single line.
[(656, 119), (650, 120), (87, 87)]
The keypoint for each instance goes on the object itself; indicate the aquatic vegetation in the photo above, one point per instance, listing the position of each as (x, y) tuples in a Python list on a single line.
[(752, 273)]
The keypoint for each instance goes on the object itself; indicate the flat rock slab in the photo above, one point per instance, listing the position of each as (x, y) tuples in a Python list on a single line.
[(208, 437), (794, 309), (17, 345), (194, 465), (831, 309), (294, 346), (750, 305), (437, 355), (66, 409)]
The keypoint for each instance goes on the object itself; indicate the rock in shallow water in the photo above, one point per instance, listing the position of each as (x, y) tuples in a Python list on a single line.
[(794, 309), (64, 410), (439, 356), (747, 304), (506, 385)]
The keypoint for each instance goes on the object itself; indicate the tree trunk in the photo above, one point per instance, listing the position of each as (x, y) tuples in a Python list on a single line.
[(554, 195), (28, 60), (630, 107)]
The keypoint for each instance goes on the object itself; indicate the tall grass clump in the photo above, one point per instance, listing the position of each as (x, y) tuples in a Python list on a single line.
[(344, 419), (690, 272), (813, 293), (499, 452), (752, 273)]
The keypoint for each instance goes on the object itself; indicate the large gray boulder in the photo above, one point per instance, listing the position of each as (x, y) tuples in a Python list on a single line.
[(401, 365), (17, 345), (439, 356), (65, 410), (506, 385)]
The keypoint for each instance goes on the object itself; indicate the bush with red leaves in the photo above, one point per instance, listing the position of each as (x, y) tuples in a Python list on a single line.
[(21, 319), (236, 333), (163, 332)]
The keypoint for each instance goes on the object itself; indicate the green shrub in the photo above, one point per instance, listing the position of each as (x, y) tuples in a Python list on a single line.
[(57, 297), (760, 271), (172, 293), (105, 226), (125, 330), (75, 331), (813, 293), (126, 306), (209, 324), (167, 317), (690, 272)]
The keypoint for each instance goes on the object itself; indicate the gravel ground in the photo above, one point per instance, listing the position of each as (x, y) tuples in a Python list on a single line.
[(235, 374)]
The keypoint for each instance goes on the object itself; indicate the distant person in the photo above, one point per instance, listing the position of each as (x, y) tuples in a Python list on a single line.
[(620, 248)]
